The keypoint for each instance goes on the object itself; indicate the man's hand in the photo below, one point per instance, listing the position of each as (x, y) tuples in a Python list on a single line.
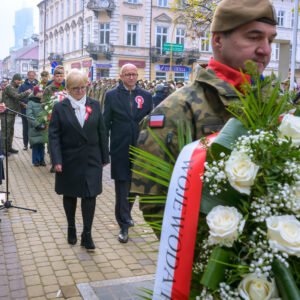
[(58, 168), (2, 107)]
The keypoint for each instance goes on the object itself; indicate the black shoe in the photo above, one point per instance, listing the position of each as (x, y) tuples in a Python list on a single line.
[(36, 164), (42, 163), (52, 170), (13, 151), (6, 154), (87, 241), (25, 148), (72, 238), (130, 223), (123, 235)]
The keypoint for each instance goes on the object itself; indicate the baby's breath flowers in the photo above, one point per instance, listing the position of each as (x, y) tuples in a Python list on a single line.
[(264, 227)]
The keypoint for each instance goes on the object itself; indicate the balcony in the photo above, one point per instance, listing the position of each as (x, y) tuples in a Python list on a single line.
[(55, 57), (101, 5), (95, 49), (186, 57)]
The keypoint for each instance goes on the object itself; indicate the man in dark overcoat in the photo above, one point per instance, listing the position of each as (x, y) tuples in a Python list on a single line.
[(124, 107)]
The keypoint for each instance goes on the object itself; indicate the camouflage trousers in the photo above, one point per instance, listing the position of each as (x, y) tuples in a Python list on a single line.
[(10, 131)]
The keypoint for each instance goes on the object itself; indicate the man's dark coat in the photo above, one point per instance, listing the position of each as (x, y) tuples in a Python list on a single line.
[(122, 117)]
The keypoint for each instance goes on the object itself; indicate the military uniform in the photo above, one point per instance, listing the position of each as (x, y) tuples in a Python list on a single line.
[(202, 105), (11, 98)]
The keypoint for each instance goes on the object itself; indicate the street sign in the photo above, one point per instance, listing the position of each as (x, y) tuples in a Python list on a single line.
[(175, 47), (54, 64)]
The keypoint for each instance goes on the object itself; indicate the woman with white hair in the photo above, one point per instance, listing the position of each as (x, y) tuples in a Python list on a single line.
[(79, 150)]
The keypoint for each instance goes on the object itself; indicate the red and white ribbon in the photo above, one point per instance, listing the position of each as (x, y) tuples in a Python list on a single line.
[(140, 101), (178, 237)]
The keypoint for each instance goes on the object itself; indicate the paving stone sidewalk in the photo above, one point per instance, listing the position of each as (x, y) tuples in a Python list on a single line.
[(36, 262)]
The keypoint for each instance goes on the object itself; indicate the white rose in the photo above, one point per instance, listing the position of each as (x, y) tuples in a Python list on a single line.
[(284, 234), (290, 127), (256, 288), (225, 224), (241, 172)]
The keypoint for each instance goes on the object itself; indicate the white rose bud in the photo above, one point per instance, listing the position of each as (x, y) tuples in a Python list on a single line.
[(254, 288), (225, 224), (290, 127), (241, 172), (284, 234)]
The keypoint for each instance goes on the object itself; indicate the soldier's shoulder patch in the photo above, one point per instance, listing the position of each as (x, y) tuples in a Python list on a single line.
[(156, 121)]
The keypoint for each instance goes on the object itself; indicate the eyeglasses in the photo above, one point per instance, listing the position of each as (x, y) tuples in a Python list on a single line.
[(130, 75), (78, 89)]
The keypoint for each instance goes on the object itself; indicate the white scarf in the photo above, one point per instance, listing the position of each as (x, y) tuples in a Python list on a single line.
[(79, 108)]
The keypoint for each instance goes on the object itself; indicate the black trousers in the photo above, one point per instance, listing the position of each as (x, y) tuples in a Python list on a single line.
[(88, 206), (123, 206), (25, 130)]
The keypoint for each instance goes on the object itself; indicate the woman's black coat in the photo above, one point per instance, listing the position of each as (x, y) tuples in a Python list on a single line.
[(122, 117), (82, 152)]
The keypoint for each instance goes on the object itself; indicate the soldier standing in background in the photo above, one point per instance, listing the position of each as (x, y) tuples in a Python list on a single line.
[(241, 30), (11, 98), (29, 83)]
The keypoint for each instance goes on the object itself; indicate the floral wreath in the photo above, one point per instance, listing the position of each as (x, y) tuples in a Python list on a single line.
[(247, 244)]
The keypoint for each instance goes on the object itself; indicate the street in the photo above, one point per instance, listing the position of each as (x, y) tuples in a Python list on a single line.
[(36, 262)]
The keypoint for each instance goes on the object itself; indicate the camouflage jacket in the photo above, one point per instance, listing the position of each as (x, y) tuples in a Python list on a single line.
[(202, 105), (11, 97)]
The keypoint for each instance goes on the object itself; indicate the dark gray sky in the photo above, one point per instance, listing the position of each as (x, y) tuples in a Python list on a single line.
[(7, 21)]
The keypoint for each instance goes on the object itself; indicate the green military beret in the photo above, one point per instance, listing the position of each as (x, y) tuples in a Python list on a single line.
[(231, 14), (17, 76)]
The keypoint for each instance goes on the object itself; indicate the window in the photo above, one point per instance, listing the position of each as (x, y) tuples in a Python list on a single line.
[(47, 20), (24, 67), (56, 14), (104, 33), (51, 18), (161, 76), (61, 11), (74, 40), (131, 34), (275, 51), (81, 4), (61, 43), (162, 3), (180, 34), (56, 43), (74, 6), (280, 18), (102, 73), (133, 1), (88, 32), (205, 42), (179, 77), (80, 41), (67, 8), (68, 42), (161, 37)]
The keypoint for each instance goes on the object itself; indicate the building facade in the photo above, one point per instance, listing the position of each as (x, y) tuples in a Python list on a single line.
[(99, 36)]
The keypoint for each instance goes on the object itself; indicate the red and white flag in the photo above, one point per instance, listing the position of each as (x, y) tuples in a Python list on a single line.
[(180, 223)]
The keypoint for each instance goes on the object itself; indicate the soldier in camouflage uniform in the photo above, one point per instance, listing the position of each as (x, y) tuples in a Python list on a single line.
[(241, 30), (11, 98), (58, 84)]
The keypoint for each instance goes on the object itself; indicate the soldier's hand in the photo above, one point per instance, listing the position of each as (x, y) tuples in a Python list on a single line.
[(28, 91), (2, 107)]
